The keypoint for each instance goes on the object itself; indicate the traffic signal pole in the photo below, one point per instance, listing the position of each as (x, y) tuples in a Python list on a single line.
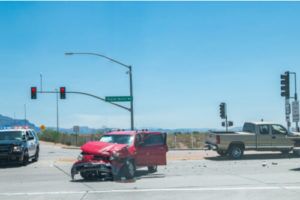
[(285, 92), (226, 123), (87, 94), (129, 67), (131, 94), (295, 97), (57, 112)]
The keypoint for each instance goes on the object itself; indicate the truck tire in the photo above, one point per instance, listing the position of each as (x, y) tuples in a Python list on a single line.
[(236, 151), (129, 169), (296, 152), (152, 169), (36, 156), (285, 152), (25, 158), (222, 153)]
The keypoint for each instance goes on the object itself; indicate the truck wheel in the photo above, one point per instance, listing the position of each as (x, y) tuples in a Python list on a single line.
[(285, 152), (296, 152), (128, 170), (25, 158), (236, 151), (152, 169), (222, 153), (36, 156)]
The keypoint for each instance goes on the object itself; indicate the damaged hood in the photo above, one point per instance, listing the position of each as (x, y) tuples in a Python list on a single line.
[(102, 148)]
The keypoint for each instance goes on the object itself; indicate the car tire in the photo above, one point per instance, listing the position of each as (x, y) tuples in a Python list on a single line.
[(36, 156), (236, 152), (221, 153), (128, 170), (25, 159), (152, 169)]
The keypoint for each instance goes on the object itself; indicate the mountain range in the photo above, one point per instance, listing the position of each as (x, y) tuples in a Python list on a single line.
[(10, 122)]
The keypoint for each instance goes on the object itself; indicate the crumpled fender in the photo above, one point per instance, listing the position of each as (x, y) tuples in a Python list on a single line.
[(115, 166)]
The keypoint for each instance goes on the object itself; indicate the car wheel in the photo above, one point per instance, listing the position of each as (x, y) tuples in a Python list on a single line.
[(129, 169), (222, 153), (36, 156), (152, 169), (236, 152), (25, 158)]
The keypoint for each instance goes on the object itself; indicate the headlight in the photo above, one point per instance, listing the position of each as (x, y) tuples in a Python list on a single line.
[(17, 148), (115, 155), (80, 157)]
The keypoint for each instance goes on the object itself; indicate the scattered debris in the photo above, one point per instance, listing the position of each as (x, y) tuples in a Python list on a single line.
[(274, 163), (264, 164)]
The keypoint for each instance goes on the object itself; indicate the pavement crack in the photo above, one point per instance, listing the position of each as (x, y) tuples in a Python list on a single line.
[(66, 173), (84, 195), (60, 169)]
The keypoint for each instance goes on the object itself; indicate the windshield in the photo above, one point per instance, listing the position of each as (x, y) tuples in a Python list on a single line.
[(119, 139), (11, 135)]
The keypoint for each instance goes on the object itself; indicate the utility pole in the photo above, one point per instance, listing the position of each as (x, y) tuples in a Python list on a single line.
[(131, 102)]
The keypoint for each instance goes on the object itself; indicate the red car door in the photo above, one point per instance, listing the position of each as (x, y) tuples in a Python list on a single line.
[(141, 153), (155, 148)]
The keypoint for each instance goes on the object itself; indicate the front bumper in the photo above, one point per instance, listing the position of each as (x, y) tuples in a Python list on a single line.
[(99, 167), (210, 146), (11, 157)]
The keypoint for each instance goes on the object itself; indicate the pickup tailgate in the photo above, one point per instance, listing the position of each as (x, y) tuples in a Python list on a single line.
[(214, 138)]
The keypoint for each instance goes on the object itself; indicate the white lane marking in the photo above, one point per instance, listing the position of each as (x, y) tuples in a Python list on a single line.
[(154, 190)]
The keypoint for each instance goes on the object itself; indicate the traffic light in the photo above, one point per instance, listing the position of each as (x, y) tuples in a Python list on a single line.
[(33, 92), (62, 92), (223, 110), (285, 85)]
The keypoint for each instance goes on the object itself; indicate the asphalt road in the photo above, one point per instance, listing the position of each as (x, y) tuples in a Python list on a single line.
[(257, 176)]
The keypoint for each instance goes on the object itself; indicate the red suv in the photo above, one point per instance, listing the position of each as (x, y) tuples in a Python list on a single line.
[(120, 153)]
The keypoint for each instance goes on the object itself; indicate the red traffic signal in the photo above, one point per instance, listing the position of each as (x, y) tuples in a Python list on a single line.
[(33, 92), (62, 92)]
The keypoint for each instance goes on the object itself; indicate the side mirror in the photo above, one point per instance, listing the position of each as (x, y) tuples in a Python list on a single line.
[(24, 137), (30, 138)]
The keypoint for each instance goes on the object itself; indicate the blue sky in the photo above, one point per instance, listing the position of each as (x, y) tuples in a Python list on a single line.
[(187, 57)]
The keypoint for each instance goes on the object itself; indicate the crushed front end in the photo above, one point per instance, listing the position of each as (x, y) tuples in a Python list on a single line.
[(97, 162)]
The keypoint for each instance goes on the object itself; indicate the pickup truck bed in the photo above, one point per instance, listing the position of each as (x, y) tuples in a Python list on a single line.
[(255, 136)]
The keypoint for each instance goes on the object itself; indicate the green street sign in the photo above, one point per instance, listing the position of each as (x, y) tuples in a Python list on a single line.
[(118, 98)]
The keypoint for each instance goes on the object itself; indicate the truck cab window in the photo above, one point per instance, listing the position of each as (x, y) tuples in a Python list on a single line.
[(153, 139), (264, 129), (250, 128), (278, 130)]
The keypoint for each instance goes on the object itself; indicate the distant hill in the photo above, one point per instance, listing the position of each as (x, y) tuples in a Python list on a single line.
[(10, 122), (83, 130)]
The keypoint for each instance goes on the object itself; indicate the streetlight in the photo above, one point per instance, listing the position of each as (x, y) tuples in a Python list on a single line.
[(129, 67)]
